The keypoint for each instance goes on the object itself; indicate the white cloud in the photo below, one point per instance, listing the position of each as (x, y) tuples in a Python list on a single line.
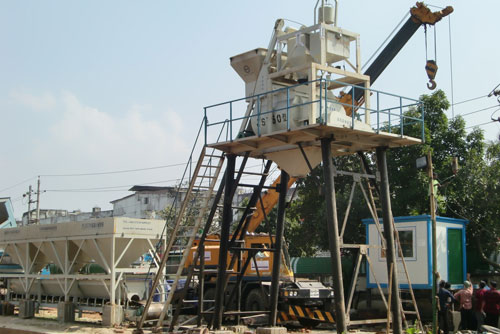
[(128, 140), (42, 102), (77, 138)]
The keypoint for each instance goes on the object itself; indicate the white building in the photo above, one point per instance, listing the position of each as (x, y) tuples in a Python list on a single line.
[(146, 202)]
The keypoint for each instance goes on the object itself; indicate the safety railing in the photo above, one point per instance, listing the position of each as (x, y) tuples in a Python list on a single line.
[(290, 108)]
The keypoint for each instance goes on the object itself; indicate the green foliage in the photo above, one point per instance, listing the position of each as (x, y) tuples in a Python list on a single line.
[(473, 193)]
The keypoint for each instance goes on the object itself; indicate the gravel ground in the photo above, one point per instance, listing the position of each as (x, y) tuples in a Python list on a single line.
[(46, 322)]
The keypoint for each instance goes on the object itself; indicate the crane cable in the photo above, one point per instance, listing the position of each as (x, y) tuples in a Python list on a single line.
[(431, 65)]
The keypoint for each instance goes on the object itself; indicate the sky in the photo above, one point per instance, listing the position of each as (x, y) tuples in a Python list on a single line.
[(103, 87)]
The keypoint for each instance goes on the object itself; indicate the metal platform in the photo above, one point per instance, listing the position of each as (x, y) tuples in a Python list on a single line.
[(284, 125), (345, 140)]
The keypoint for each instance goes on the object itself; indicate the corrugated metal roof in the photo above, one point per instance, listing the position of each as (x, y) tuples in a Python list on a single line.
[(150, 188)]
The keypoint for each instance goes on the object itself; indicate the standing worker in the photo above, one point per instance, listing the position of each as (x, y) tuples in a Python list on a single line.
[(464, 298), (443, 296), (479, 304), (492, 305)]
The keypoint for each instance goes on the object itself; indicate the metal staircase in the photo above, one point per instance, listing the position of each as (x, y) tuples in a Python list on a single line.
[(196, 201), (197, 268)]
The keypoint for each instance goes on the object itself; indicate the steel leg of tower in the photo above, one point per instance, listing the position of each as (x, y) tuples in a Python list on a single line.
[(227, 217), (333, 234), (389, 238), (280, 227)]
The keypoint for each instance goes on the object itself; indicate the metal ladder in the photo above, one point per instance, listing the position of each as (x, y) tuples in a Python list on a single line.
[(197, 267), (187, 224), (375, 209)]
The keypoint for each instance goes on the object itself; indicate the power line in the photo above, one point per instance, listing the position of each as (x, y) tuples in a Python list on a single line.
[(110, 188), (477, 125), (385, 41), (86, 191), (121, 171), (476, 111), (115, 172), (469, 100), (17, 184)]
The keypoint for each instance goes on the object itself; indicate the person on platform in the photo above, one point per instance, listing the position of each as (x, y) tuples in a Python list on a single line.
[(464, 298), (492, 305)]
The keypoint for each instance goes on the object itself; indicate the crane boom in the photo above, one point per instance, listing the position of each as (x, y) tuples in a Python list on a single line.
[(419, 15)]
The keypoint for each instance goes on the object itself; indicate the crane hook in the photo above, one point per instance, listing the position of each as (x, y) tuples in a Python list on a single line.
[(431, 84), (431, 69)]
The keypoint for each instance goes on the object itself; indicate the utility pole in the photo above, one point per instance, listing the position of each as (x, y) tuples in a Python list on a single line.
[(434, 243), (30, 201), (30, 190), (38, 201)]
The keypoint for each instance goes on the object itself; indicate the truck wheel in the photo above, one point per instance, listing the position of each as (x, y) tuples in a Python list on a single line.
[(309, 323), (256, 300)]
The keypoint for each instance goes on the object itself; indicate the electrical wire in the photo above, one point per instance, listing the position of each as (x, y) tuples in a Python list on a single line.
[(493, 113), (478, 125), (86, 191), (17, 184), (476, 111), (20, 198), (469, 100), (125, 187), (385, 41), (115, 172)]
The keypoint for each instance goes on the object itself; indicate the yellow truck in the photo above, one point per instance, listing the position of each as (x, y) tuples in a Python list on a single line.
[(308, 301)]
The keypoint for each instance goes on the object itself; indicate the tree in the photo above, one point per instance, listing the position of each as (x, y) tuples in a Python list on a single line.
[(473, 193)]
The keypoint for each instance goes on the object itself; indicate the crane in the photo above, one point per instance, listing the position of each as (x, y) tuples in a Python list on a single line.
[(419, 15)]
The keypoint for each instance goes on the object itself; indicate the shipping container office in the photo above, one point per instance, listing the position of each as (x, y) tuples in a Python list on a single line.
[(415, 234)]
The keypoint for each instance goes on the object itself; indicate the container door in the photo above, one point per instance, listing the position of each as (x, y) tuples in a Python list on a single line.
[(455, 256)]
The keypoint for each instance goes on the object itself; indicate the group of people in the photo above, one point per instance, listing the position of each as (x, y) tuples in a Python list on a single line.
[(477, 307)]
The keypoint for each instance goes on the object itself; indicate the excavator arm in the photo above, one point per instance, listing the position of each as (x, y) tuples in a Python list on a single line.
[(269, 200)]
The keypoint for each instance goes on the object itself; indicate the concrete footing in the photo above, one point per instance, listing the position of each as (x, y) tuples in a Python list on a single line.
[(198, 330), (26, 309), (65, 312), (221, 331), (112, 315), (271, 330), (238, 329), (7, 308)]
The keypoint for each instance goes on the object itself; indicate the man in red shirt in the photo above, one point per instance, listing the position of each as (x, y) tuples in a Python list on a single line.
[(479, 303), (492, 305)]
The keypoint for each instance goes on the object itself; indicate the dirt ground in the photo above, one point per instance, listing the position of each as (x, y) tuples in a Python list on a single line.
[(46, 322), (90, 322)]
